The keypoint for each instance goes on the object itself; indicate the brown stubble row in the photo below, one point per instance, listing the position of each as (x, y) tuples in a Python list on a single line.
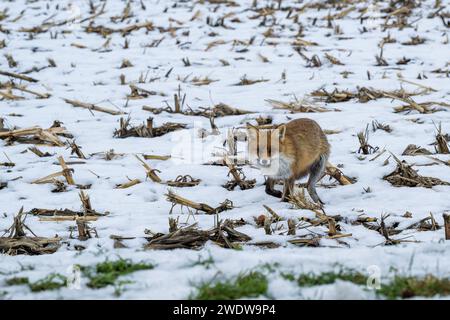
[(394, 17)]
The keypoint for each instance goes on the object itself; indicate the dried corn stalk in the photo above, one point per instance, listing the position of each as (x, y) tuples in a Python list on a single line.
[(183, 181), (178, 200), (405, 175), (297, 106), (36, 135), (146, 130), (239, 178), (447, 226), (151, 173), (413, 150), (91, 106), (17, 242), (337, 174), (192, 238), (441, 144), (363, 138), (66, 173)]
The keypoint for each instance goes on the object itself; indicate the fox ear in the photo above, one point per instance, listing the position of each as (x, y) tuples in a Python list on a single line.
[(281, 131)]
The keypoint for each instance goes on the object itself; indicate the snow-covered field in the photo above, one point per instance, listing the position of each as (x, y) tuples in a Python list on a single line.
[(252, 41)]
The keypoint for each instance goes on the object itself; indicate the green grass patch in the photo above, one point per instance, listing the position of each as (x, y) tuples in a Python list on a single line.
[(312, 279), (51, 282), (288, 276), (270, 267), (17, 281), (400, 287), (205, 262), (106, 273), (246, 285), (408, 287)]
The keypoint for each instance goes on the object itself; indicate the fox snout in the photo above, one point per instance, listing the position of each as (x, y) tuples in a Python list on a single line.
[(264, 162)]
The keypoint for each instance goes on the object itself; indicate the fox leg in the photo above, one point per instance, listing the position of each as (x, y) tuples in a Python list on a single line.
[(270, 188), (288, 189), (315, 173)]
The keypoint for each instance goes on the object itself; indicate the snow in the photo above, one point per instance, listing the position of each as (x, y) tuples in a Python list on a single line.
[(92, 75)]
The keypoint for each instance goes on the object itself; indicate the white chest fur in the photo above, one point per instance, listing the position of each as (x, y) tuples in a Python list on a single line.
[(280, 168)]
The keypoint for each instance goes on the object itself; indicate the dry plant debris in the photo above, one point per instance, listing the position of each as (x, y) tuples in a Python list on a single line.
[(239, 178), (365, 147), (244, 81), (108, 155), (128, 184), (155, 157), (141, 93), (447, 163), (86, 214), (84, 229), (217, 111), (18, 76), (94, 107), (413, 150), (447, 225), (10, 86), (66, 172), (299, 201), (423, 107), (39, 153), (426, 224), (146, 130), (386, 232), (405, 175), (306, 241), (151, 173), (364, 94), (205, 208), (36, 135), (264, 120), (338, 175), (297, 106), (180, 181), (441, 144), (192, 238), (183, 181), (106, 31), (17, 242)]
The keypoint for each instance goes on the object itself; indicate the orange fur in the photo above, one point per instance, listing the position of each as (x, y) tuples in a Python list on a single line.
[(304, 142), (289, 152), (301, 140)]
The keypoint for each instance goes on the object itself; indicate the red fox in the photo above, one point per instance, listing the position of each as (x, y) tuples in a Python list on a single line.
[(289, 152)]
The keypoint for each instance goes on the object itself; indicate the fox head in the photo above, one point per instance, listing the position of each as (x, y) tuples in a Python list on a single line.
[(264, 145)]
